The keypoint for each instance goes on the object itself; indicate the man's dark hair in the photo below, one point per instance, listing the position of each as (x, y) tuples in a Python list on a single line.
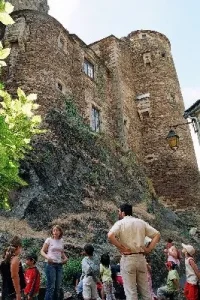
[(89, 249), (127, 209)]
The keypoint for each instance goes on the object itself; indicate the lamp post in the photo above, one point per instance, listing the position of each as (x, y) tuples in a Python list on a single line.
[(173, 138)]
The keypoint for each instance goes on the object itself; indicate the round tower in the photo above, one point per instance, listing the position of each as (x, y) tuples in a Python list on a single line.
[(160, 105), (40, 5)]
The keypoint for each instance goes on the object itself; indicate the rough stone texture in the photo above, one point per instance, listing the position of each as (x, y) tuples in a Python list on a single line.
[(40, 5), (73, 174), (45, 56)]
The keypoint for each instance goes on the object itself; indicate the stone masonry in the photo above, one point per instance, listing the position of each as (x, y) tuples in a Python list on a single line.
[(131, 82)]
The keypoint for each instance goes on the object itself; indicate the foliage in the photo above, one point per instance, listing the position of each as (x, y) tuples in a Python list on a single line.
[(18, 124), (72, 267), (74, 117), (5, 10)]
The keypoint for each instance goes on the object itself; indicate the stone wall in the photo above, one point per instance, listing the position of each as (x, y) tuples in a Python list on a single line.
[(174, 174), (135, 88), (40, 5), (47, 60)]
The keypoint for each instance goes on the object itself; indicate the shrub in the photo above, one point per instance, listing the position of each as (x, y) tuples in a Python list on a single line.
[(72, 267)]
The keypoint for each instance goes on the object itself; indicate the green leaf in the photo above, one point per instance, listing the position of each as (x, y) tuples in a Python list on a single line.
[(9, 8), (4, 53), (6, 19), (2, 63), (32, 97)]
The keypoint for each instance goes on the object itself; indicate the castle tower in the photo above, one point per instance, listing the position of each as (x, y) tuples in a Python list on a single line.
[(160, 105), (40, 5)]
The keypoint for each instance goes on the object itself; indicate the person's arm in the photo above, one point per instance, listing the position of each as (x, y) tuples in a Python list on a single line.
[(153, 243), (113, 240), (176, 283), (195, 268), (44, 252), (14, 270), (64, 257)]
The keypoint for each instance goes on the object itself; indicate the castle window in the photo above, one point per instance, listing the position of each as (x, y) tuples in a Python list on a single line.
[(147, 59), (62, 43), (163, 54), (95, 119), (144, 35), (88, 69), (60, 87)]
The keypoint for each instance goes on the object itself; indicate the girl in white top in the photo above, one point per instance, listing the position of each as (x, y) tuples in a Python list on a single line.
[(192, 273), (53, 252)]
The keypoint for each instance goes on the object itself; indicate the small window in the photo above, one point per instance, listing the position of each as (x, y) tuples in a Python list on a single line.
[(163, 54), (95, 119), (60, 87), (89, 69), (144, 35), (62, 43)]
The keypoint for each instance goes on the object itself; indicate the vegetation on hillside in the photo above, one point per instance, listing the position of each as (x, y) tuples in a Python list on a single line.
[(18, 123)]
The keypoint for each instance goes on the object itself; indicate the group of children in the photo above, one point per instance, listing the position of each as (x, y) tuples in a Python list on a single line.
[(96, 281), (191, 288)]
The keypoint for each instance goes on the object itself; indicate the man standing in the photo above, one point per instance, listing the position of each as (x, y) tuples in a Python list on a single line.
[(128, 236)]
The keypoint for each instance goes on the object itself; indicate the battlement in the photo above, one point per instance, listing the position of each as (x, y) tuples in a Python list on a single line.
[(145, 34)]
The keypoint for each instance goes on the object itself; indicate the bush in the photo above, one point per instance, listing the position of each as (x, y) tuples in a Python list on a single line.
[(72, 267)]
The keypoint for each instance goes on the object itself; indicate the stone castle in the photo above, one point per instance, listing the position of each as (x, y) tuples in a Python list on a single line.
[(127, 88)]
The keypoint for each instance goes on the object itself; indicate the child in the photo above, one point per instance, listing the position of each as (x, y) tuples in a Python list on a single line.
[(173, 255), (90, 273), (105, 272), (32, 277), (172, 282), (192, 273)]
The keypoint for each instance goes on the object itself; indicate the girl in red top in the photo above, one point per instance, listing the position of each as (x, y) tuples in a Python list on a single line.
[(32, 277)]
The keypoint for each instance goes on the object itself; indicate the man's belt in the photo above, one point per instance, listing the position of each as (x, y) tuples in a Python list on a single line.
[(133, 253)]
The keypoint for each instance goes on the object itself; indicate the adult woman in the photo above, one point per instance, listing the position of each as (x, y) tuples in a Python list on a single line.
[(53, 252), (13, 281)]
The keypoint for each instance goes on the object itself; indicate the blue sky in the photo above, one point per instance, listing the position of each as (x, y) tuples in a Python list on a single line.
[(179, 20)]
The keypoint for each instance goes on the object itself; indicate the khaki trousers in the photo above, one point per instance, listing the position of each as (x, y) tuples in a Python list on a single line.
[(134, 273)]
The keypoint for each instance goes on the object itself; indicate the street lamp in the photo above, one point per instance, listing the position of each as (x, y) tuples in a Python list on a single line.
[(173, 140)]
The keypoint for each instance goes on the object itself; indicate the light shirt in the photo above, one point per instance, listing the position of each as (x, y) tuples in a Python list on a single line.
[(55, 249), (191, 277), (172, 275), (131, 232), (105, 273), (90, 267)]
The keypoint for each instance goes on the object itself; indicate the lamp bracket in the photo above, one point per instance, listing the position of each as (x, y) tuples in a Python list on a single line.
[(181, 124)]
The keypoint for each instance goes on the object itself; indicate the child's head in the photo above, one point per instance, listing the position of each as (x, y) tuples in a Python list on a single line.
[(173, 251), (14, 248), (169, 240), (56, 232), (31, 259), (89, 249), (105, 260), (188, 250), (170, 265)]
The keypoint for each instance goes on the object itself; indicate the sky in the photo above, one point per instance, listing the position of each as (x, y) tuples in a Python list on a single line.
[(179, 20)]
